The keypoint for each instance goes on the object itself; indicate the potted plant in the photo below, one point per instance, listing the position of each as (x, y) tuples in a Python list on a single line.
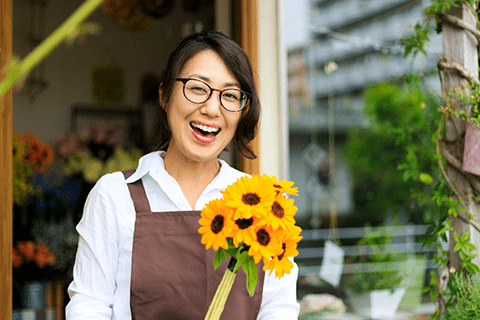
[(374, 289), (463, 301), (33, 264)]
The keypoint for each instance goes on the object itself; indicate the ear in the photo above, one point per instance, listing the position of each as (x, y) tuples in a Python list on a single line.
[(161, 97)]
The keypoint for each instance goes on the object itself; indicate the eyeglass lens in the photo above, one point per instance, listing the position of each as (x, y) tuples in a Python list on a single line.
[(198, 92)]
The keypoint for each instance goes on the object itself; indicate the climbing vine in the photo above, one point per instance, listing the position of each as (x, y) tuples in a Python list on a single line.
[(444, 198)]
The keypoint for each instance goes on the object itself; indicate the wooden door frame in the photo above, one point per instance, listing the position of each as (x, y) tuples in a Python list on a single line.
[(6, 137), (246, 29)]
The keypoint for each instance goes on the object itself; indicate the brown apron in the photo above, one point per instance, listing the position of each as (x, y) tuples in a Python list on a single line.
[(172, 272)]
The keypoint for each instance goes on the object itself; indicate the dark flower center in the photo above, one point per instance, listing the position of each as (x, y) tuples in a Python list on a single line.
[(263, 237), (284, 247), (244, 223), (217, 224), (277, 210), (250, 198)]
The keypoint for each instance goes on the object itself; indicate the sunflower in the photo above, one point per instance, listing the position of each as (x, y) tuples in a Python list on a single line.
[(282, 186), (281, 262), (216, 224), (281, 213), (250, 196), (266, 243), (244, 230)]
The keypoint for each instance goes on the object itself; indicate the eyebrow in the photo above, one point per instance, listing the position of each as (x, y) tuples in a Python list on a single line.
[(206, 79)]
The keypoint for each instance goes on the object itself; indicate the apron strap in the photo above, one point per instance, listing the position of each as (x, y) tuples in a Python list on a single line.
[(137, 192)]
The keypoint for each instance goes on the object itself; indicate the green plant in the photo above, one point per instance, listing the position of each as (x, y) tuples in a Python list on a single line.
[(469, 95), (399, 117), (465, 296), (445, 200), (376, 248), (418, 40)]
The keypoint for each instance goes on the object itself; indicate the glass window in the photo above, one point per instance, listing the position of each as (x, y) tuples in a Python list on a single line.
[(341, 57)]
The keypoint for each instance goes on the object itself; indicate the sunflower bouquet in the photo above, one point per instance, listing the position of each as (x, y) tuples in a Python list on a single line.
[(253, 221)]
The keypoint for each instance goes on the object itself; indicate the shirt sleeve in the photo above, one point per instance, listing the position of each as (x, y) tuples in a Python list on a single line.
[(92, 289), (279, 301)]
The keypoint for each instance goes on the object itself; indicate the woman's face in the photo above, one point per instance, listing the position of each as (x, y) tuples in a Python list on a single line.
[(201, 131)]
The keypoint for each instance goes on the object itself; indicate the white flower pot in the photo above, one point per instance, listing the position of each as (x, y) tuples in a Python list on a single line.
[(34, 295), (376, 304)]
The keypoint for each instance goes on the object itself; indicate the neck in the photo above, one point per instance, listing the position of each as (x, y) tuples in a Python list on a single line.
[(189, 172)]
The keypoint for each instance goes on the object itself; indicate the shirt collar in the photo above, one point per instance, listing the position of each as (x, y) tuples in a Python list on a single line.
[(145, 164), (154, 161)]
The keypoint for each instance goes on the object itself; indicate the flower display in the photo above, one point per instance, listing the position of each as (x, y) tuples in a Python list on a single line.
[(31, 259), (253, 221), (30, 156), (95, 151)]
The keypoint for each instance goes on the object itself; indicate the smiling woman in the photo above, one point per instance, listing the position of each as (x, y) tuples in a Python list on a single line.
[(140, 255)]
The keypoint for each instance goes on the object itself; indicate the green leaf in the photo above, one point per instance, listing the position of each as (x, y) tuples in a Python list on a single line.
[(426, 178), (457, 247), (220, 255), (466, 236), (456, 236), (241, 259), (251, 271)]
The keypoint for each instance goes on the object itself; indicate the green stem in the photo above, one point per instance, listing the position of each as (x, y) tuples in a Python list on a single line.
[(44, 48)]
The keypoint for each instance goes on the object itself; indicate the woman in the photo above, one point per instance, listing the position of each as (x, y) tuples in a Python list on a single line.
[(139, 253)]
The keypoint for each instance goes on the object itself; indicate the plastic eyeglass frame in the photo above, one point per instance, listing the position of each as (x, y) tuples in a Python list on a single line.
[(220, 92)]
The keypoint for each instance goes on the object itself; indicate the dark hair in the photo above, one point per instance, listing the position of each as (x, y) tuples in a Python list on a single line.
[(237, 63)]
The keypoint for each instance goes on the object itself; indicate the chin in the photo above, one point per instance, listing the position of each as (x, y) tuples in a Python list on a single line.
[(200, 156)]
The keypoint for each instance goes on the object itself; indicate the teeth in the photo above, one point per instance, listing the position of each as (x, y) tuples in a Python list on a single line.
[(204, 128)]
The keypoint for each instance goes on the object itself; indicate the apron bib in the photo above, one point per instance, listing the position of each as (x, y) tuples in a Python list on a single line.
[(172, 272)]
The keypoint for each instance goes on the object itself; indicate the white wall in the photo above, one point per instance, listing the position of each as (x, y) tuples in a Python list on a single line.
[(67, 69), (271, 133)]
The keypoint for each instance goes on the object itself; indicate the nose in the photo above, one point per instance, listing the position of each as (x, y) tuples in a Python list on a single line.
[(212, 107)]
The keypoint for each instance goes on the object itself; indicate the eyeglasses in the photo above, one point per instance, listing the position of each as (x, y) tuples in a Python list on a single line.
[(197, 91)]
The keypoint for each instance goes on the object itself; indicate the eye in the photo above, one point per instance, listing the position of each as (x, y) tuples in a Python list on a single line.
[(198, 89), (232, 95)]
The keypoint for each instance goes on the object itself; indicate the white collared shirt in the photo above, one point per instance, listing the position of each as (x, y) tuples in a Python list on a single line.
[(102, 271)]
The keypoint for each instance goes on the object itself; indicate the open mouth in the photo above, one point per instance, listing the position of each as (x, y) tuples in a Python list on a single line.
[(205, 131)]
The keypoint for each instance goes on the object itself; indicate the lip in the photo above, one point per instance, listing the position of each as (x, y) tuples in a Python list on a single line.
[(206, 124), (201, 138)]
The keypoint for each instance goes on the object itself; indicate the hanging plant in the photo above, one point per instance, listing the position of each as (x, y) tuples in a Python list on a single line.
[(128, 15)]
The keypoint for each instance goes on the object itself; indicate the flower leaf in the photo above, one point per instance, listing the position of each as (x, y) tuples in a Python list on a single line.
[(220, 255), (250, 269), (242, 258)]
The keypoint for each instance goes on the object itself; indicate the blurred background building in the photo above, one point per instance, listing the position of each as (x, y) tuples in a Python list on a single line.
[(335, 50)]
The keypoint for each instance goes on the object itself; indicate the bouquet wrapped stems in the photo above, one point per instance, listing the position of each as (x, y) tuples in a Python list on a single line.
[(218, 303)]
